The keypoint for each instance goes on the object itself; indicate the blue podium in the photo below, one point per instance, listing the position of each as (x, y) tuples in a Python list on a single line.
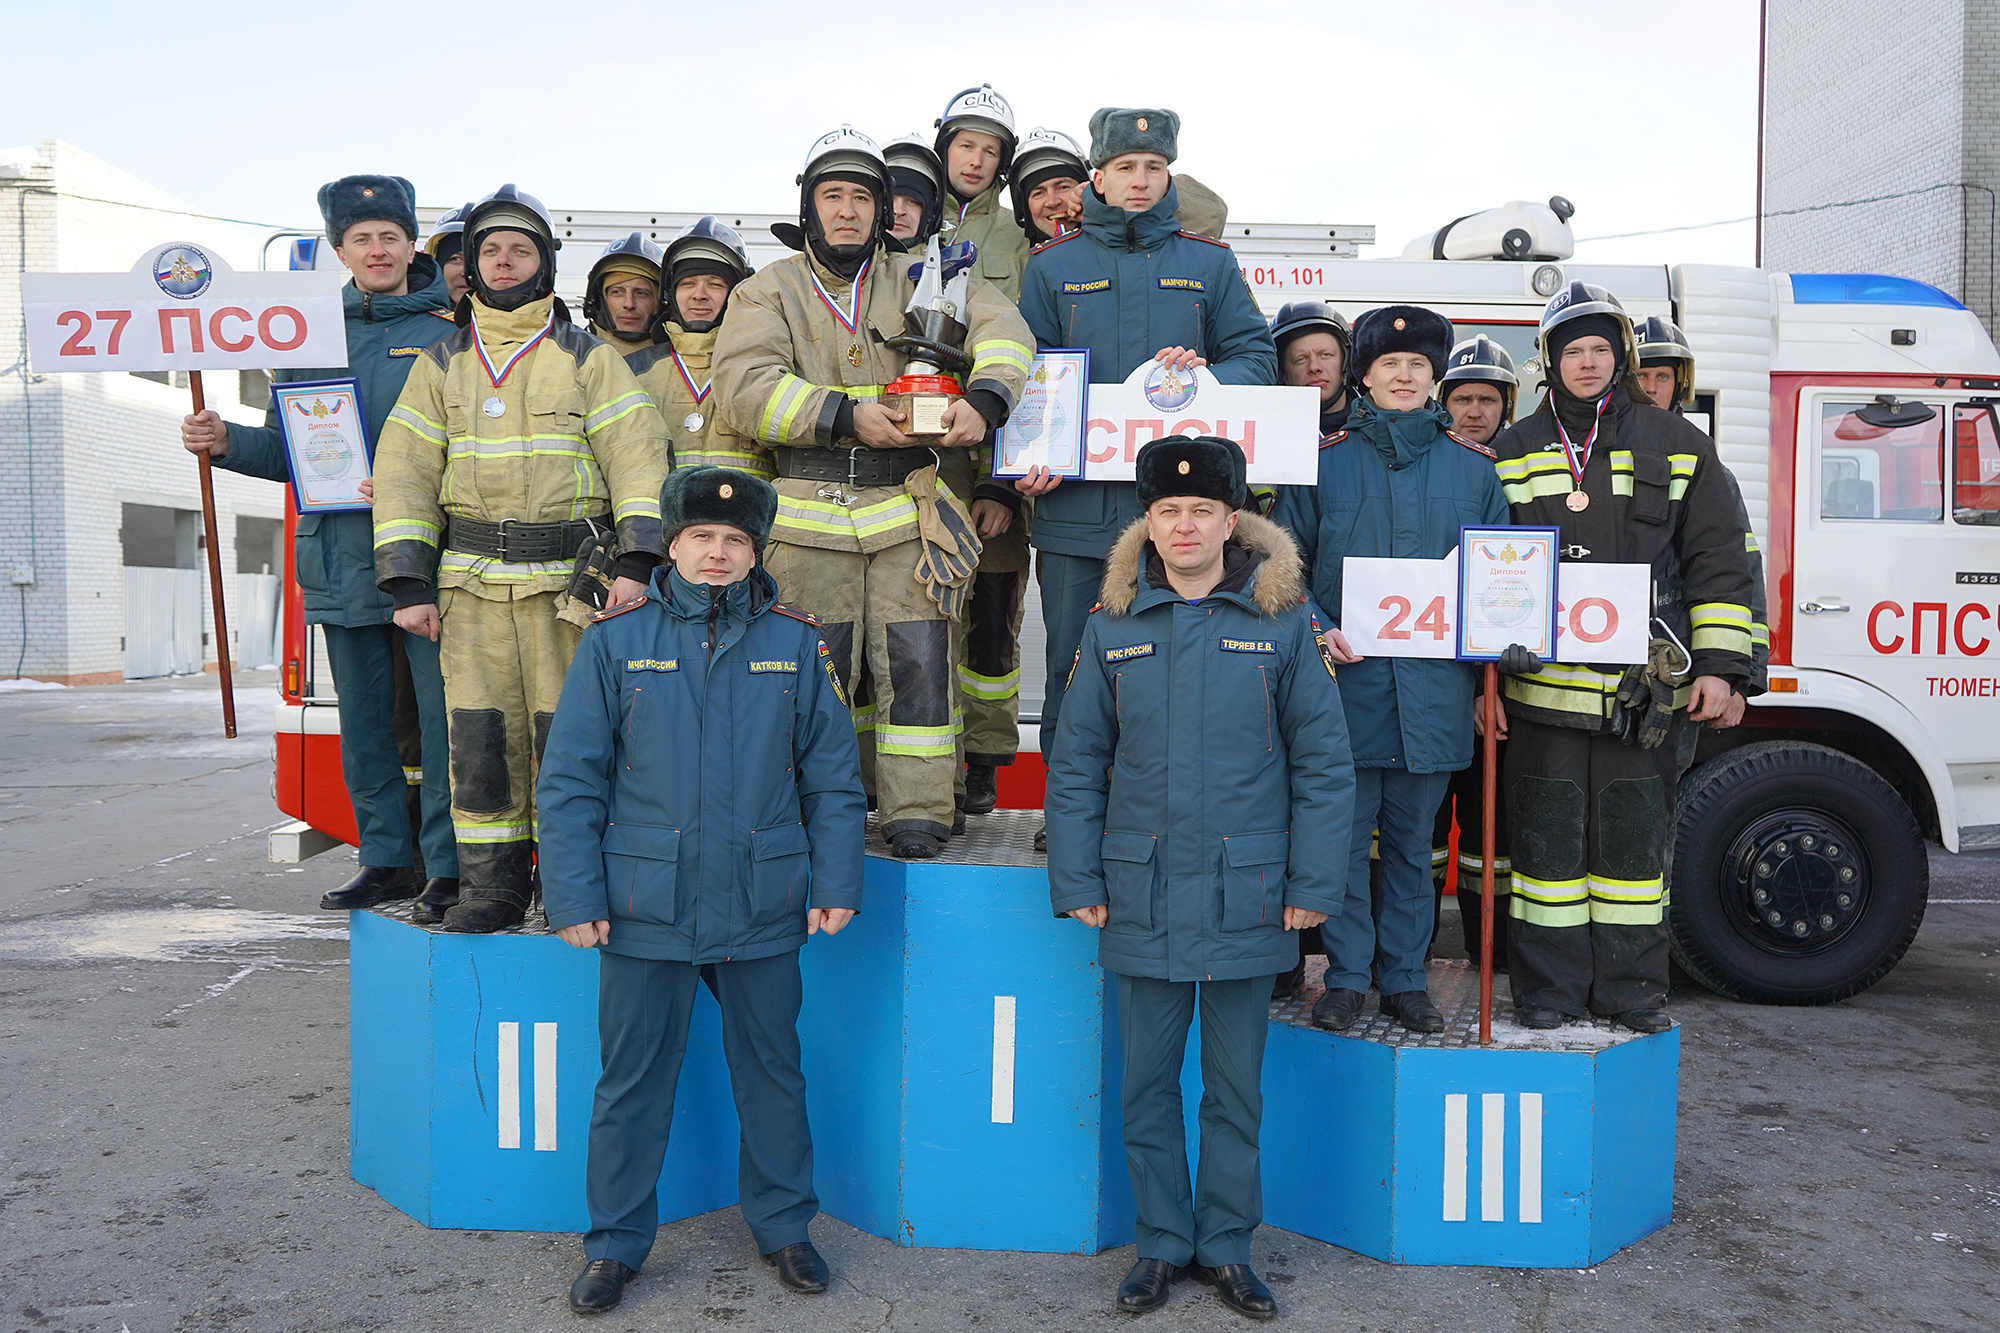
[(962, 1077)]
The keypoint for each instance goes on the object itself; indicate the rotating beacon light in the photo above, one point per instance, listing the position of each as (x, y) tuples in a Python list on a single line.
[(935, 342)]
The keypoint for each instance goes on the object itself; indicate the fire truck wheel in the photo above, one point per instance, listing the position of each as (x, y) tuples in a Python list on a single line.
[(1799, 875)]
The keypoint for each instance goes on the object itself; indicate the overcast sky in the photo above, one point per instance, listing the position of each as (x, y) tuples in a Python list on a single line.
[(1403, 115)]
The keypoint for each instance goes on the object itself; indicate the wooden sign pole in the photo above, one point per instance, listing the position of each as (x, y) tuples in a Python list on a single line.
[(214, 572), (1488, 765)]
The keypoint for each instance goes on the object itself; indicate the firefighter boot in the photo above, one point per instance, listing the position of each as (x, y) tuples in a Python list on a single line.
[(982, 788), (494, 888)]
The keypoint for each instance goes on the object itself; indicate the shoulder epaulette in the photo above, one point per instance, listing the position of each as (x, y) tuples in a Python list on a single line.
[(444, 315), (1472, 445), (1095, 607), (1335, 438), (1055, 240), (618, 610), (1207, 240), (795, 613)]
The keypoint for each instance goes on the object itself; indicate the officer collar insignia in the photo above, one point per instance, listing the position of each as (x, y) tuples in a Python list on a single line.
[(652, 664), (787, 668), (1128, 652), (1249, 646)]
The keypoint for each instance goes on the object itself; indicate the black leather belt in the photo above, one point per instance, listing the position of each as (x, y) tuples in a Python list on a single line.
[(517, 542), (856, 467)]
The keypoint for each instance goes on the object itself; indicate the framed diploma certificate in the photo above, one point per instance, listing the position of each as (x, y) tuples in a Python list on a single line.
[(1506, 591), (1045, 428), (326, 443)]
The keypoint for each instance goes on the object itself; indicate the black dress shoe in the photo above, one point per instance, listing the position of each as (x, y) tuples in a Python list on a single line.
[(375, 884), (916, 845), (982, 789), (599, 1287), (1336, 1010), (800, 1268), (1145, 1287), (1538, 1017), (1289, 983), (439, 896), (1414, 1010), (1241, 1290), (483, 916), (1643, 1020)]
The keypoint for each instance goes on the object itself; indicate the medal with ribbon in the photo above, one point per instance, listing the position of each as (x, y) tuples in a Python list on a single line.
[(498, 375), (1577, 459), (693, 420), (849, 318)]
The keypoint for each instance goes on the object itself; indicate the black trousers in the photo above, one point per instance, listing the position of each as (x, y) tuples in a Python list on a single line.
[(1589, 818)]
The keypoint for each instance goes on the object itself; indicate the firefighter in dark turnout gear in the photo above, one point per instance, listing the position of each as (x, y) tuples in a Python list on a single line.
[(1666, 373), (1592, 750)]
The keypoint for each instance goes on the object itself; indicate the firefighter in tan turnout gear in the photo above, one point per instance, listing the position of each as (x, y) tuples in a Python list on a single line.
[(516, 439), (703, 265), (1592, 750), (872, 533)]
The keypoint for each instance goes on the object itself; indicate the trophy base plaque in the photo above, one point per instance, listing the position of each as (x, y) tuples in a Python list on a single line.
[(923, 400)]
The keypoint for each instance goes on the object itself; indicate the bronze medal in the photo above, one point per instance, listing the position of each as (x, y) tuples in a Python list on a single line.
[(1577, 501), (854, 354)]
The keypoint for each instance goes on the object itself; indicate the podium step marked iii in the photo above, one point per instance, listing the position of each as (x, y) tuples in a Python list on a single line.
[(962, 1076)]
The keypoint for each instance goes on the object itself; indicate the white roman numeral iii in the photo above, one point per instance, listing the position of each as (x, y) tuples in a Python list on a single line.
[(1492, 1157)]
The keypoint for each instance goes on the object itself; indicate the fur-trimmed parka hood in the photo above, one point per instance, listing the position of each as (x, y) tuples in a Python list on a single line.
[(1278, 584)]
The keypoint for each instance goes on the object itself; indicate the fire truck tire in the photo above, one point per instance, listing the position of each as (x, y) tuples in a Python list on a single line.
[(1799, 875)]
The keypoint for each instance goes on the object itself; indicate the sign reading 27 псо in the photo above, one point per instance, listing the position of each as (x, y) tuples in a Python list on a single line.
[(182, 308)]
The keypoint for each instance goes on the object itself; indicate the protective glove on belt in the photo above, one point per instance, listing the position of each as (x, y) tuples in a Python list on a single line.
[(1645, 708)]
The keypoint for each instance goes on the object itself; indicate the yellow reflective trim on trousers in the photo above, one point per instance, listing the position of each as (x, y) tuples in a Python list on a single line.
[(994, 688), (481, 831), (1503, 870), (1549, 903), (1627, 914), (616, 409), (418, 423), (782, 408), (1626, 890), (864, 718), (408, 530), (920, 742)]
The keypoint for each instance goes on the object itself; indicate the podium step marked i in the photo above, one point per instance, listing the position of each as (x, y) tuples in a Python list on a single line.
[(962, 1076)]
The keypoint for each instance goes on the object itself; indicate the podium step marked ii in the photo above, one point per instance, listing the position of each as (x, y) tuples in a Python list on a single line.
[(962, 1076)]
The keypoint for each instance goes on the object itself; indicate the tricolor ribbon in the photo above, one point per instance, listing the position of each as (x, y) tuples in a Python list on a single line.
[(846, 317), (688, 379), (498, 375), (1577, 466)]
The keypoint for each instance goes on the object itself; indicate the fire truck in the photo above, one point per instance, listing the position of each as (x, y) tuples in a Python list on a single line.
[(1861, 416)]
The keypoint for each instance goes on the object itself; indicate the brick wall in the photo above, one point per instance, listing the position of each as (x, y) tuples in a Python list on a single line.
[(1859, 104), (75, 447)]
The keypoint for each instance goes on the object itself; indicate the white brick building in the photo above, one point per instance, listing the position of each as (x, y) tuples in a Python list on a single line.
[(92, 474), (1862, 102)]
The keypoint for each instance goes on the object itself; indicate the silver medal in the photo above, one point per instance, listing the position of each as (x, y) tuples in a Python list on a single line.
[(493, 407), (692, 421)]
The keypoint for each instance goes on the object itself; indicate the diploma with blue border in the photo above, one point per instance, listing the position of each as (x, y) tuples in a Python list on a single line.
[(326, 443), (1506, 591), (1045, 429)]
